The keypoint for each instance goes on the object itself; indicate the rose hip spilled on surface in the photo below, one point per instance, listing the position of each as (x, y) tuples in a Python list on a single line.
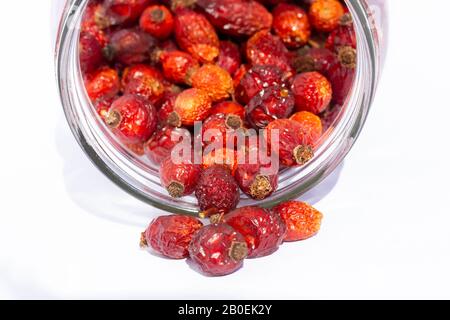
[(218, 250), (171, 235)]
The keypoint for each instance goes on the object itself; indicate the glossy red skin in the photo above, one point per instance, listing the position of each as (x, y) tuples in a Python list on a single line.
[(342, 36), (161, 144), (171, 235), (311, 124), (237, 17), (229, 57), (166, 108), (291, 24), (145, 81), (217, 191), (270, 104), (130, 46), (186, 174), (315, 59), (104, 84), (222, 132), (158, 21), (210, 250), (290, 137), (229, 108), (256, 79), (192, 105), (195, 34), (312, 91), (178, 66), (341, 79), (263, 231), (302, 220), (138, 119), (90, 51), (125, 11), (263, 48), (246, 175)]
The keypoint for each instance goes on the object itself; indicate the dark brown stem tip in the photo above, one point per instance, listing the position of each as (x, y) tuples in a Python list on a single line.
[(303, 154), (346, 20), (260, 188), (174, 119), (175, 189), (238, 251), (157, 15), (216, 218), (348, 57), (233, 122), (143, 242), (113, 119)]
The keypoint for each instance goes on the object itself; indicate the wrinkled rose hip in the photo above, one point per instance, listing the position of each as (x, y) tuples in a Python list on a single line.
[(180, 179)]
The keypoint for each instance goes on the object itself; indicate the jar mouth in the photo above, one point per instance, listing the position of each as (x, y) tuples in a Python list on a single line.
[(141, 179)]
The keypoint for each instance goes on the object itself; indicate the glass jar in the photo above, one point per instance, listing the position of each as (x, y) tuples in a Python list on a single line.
[(141, 179)]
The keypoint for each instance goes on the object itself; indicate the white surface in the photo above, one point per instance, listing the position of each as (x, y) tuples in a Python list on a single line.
[(387, 220)]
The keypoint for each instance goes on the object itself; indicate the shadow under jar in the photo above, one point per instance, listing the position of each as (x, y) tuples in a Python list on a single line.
[(140, 178)]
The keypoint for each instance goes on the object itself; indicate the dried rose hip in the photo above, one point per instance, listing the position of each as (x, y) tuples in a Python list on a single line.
[(312, 91), (228, 158), (196, 35), (270, 104), (342, 74), (311, 124), (90, 51), (293, 147), (158, 21), (221, 128), (217, 191), (314, 59), (266, 49), (342, 36), (178, 66), (124, 11), (190, 106), (180, 179), (102, 106), (263, 231), (291, 24), (218, 250), (257, 79), (104, 84), (160, 146), (214, 80), (166, 108), (132, 119), (325, 15), (229, 57), (240, 73), (229, 108), (237, 17), (145, 81), (171, 235), (302, 220)]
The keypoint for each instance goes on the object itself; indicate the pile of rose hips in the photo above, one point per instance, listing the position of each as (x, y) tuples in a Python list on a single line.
[(154, 69)]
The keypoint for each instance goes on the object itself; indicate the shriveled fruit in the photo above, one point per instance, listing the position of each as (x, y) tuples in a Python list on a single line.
[(314, 59), (229, 108), (171, 235), (132, 119), (325, 15), (90, 52), (214, 80), (229, 57), (102, 106), (190, 106), (342, 36), (124, 11), (342, 74), (292, 144), (129, 46), (178, 66), (196, 35), (228, 158), (161, 144), (104, 84), (311, 124), (179, 177), (270, 104), (222, 129), (237, 17), (312, 91), (217, 191), (263, 48), (301, 219), (144, 81), (166, 108), (218, 250), (291, 24), (263, 231), (158, 21)]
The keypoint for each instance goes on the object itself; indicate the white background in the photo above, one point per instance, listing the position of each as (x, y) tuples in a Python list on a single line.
[(67, 232)]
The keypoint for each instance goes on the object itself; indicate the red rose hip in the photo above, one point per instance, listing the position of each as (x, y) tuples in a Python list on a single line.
[(161, 144), (104, 84), (144, 81), (178, 66), (158, 21), (325, 15), (170, 236), (218, 250), (312, 91), (214, 80), (229, 108), (311, 124), (180, 179), (229, 57), (291, 24), (190, 106)]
